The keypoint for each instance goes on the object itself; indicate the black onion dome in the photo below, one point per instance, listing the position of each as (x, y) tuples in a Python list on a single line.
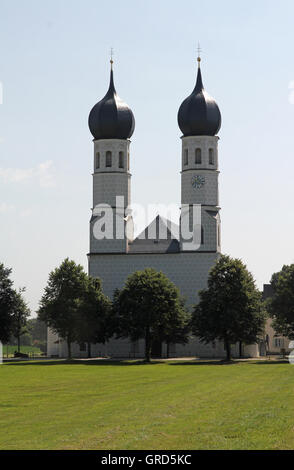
[(199, 114), (111, 118)]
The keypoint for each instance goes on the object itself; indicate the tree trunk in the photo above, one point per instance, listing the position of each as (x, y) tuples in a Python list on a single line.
[(228, 349), (18, 343), (240, 349), (167, 350), (147, 345), (89, 350), (68, 348)]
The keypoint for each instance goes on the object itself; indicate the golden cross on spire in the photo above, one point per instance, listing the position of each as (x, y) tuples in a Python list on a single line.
[(199, 50), (111, 56)]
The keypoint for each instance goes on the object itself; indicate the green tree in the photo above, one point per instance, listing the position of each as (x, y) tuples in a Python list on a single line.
[(21, 312), (231, 308), (94, 319), (60, 303), (178, 329), (147, 307), (38, 333), (281, 305), (7, 301)]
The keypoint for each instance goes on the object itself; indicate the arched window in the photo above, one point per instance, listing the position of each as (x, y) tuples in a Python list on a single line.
[(108, 159), (198, 157), (97, 160), (202, 235), (211, 157), (186, 157), (128, 161), (121, 160)]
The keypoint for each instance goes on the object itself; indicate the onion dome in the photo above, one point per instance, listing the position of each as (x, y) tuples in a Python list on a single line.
[(111, 118), (199, 114)]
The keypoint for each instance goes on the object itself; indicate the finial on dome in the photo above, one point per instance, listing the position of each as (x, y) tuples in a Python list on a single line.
[(199, 54), (111, 57)]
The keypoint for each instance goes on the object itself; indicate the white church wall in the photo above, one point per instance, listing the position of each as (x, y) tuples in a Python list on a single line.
[(189, 271), (207, 194), (107, 185)]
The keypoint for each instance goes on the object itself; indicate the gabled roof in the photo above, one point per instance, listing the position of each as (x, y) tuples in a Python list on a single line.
[(161, 236)]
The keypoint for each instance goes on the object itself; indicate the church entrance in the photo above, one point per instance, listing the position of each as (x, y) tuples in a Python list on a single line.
[(156, 350)]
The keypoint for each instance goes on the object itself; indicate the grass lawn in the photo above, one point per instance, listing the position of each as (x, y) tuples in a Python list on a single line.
[(128, 405), (7, 349)]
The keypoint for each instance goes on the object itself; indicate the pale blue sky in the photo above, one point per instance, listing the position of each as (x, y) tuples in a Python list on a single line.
[(54, 66)]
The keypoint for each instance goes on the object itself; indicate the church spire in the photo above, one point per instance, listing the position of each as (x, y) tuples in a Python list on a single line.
[(199, 114), (199, 55), (199, 84), (111, 57), (111, 118)]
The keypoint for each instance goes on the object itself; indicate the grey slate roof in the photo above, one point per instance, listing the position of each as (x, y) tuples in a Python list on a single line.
[(161, 236)]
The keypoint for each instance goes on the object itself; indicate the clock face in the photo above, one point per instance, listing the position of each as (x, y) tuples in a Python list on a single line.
[(198, 181)]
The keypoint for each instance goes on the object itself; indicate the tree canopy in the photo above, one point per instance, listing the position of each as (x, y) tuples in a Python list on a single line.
[(231, 308), (149, 306), (7, 303), (178, 328), (281, 305), (21, 312), (74, 306), (59, 305), (94, 319)]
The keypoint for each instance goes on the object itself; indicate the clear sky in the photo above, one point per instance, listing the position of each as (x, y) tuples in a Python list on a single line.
[(54, 66)]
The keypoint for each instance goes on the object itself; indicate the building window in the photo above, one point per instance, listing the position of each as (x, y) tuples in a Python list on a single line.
[(108, 159), (211, 157), (97, 160), (83, 347), (128, 161), (121, 160), (218, 235), (198, 158), (202, 235), (186, 157), (279, 342)]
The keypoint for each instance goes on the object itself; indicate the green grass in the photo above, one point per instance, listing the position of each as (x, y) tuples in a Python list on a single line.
[(172, 405), (8, 349)]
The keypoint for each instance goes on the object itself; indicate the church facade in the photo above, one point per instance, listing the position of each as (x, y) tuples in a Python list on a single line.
[(184, 254)]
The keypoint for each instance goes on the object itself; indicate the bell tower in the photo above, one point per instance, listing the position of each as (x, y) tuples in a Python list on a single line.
[(199, 119), (111, 123)]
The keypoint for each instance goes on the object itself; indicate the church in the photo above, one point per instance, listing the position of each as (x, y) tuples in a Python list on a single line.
[(181, 255)]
